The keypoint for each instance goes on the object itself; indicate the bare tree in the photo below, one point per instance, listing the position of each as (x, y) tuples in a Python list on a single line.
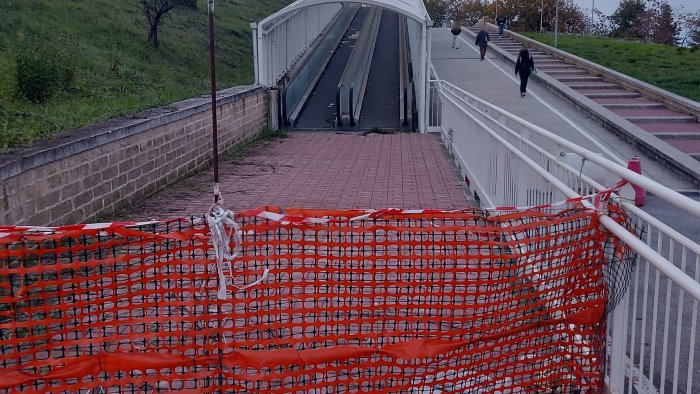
[(690, 29), (438, 11), (155, 10), (469, 12)]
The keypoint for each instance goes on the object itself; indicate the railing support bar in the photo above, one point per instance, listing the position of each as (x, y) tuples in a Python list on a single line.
[(618, 353), (672, 272)]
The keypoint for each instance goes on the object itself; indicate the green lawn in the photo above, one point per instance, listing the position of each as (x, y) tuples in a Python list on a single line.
[(116, 72), (670, 68)]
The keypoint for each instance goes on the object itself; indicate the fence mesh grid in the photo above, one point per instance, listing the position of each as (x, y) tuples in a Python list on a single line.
[(397, 302)]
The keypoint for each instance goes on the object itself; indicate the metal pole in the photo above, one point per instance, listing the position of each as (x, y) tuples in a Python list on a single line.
[(541, 15), (496, 11), (556, 26), (212, 73), (254, 28), (592, 16)]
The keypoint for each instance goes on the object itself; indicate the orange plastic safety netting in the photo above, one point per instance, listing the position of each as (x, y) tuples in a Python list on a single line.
[(394, 301)]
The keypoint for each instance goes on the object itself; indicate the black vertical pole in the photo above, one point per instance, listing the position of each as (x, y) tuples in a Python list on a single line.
[(212, 67)]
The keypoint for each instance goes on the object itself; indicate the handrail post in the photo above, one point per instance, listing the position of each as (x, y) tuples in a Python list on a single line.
[(618, 342)]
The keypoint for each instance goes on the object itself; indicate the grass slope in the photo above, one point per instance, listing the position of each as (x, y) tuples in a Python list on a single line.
[(116, 71), (674, 69)]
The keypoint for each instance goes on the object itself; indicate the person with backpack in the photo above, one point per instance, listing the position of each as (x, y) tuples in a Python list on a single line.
[(524, 66), (482, 40), (456, 30)]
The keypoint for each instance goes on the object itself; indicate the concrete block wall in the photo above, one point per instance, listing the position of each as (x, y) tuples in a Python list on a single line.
[(101, 169)]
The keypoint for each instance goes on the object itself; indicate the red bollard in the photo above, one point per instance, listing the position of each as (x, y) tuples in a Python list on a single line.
[(639, 193)]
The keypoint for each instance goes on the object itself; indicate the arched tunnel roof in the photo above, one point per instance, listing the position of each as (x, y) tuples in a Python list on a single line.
[(414, 9)]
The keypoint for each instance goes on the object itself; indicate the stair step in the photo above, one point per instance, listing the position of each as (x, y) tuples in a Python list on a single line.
[(624, 94), (661, 119), (678, 136), (613, 101), (656, 112), (691, 147), (584, 86), (555, 66), (585, 78), (661, 128), (564, 73), (634, 106), (549, 61)]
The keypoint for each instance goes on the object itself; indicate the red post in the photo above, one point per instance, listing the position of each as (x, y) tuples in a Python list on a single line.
[(639, 193)]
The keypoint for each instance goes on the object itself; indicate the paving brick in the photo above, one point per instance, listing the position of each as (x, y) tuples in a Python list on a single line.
[(323, 170)]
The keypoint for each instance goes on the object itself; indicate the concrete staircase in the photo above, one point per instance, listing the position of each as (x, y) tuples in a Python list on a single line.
[(675, 127)]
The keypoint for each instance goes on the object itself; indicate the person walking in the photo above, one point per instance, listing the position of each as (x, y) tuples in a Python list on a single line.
[(482, 40), (524, 66), (501, 22), (456, 30)]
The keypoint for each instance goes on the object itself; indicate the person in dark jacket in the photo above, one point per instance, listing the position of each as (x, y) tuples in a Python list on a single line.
[(456, 30), (524, 67), (501, 22), (482, 40)]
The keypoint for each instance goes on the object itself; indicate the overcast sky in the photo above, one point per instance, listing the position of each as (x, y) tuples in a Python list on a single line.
[(607, 7)]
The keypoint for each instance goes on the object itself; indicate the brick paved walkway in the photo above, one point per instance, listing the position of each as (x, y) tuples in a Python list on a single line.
[(322, 170)]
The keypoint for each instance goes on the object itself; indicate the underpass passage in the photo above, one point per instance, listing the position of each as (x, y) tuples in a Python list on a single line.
[(319, 111), (381, 105)]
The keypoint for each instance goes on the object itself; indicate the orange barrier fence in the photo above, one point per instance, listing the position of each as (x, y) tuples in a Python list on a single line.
[(393, 302)]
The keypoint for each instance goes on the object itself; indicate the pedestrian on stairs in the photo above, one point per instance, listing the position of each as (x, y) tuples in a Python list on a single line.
[(524, 66), (482, 40), (456, 30), (501, 22)]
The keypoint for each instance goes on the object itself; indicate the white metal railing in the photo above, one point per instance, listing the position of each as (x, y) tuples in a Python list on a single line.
[(508, 161)]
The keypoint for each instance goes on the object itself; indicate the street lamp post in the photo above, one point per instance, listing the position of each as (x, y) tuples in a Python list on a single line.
[(496, 10), (556, 26), (212, 75), (592, 16), (541, 15)]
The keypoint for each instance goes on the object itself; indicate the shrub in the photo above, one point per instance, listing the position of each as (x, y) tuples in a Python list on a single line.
[(43, 70), (7, 80), (187, 3)]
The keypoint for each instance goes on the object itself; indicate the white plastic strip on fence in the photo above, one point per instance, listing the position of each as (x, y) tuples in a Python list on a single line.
[(629, 331)]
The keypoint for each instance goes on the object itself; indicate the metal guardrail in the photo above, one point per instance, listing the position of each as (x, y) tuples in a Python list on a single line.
[(351, 88), (652, 332)]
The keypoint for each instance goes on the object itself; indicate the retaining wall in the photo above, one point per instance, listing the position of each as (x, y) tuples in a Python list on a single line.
[(101, 169)]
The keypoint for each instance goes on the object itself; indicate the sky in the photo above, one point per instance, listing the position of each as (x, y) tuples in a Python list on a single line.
[(607, 7)]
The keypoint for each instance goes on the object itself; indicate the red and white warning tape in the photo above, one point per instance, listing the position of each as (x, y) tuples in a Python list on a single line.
[(16, 231), (597, 199)]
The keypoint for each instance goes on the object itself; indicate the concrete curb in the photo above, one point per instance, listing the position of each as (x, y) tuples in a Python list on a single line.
[(659, 150), (72, 142)]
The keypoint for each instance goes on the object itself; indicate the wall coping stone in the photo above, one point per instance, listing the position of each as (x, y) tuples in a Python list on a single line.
[(75, 141)]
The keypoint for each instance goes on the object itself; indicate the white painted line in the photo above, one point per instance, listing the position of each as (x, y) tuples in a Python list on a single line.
[(585, 133)]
